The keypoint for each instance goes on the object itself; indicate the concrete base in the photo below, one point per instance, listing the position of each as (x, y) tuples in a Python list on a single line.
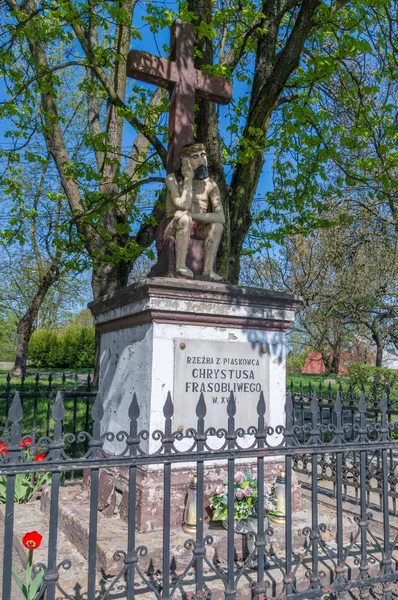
[(143, 327), (169, 335)]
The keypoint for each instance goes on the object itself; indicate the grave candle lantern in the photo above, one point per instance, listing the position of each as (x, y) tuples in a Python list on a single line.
[(189, 522), (280, 495)]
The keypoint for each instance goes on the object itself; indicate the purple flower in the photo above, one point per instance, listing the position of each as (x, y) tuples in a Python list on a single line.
[(239, 477), (268, 505), (248, 492), (220, 489), (239, 493)]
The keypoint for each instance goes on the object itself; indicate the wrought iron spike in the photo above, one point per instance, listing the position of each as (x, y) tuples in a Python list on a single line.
[(97, 411), (15, 412), (231, 406), (215, 559), (134, 408), (37, 378), (173, 564), (289, 404), (168, 409), (291, 387), (314, 404), (387, 391), (58, 411), (338, 405), (261, 405), (362, 402), (383, 403), (201, 409)]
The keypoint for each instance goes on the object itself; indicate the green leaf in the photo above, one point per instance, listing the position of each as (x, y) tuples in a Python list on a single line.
[(19, 583), (35, 585)]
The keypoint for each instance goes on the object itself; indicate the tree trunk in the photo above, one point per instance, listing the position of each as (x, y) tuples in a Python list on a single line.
[(335, 364), (26, 324), (106, 279), (379, 349), (24, 332)]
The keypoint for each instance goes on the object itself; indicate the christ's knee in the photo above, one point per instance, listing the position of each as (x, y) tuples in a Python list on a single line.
[(185, 223), (217, 229)]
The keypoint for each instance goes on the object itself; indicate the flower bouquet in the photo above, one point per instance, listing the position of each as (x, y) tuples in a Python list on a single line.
[(245, 508), (245, 499)]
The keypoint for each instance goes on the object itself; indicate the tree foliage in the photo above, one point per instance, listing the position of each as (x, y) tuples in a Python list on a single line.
[(70, 347), (274, 53)]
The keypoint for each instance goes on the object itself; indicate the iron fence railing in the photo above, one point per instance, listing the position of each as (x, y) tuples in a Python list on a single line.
[(37, 394), (327, 467), (365, 562)]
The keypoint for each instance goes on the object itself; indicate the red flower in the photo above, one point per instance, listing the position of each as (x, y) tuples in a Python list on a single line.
[(39, 457), (32, 540), (3, 448), (26, 442)]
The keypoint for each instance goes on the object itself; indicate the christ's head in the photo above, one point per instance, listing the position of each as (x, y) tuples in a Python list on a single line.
[(196, 154)]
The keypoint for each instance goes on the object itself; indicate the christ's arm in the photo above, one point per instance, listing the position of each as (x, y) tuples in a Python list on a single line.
[(183, 200)]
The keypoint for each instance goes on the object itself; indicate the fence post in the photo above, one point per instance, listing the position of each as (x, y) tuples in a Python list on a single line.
[(167, 443), (133, 442), (97, 412), (14, 450), (289, 579), (51, 574), (230, 593)]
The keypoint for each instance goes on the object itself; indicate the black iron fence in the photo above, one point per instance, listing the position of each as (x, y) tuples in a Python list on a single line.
[(37, 393), (351, 418), (313, 567)]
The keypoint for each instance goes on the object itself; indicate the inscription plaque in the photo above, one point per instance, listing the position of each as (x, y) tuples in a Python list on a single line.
[(217, 369)]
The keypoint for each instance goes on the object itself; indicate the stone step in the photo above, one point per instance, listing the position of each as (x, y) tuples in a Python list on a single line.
[(74, 518), (113, 533)]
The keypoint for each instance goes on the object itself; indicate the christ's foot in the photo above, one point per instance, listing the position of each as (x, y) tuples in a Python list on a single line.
[(185, 271), (213, 275)]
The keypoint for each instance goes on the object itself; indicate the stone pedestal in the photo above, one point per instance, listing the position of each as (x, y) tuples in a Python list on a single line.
[(186, 337)]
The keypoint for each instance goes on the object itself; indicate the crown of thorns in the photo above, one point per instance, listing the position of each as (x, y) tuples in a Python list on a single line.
[(192, 148)]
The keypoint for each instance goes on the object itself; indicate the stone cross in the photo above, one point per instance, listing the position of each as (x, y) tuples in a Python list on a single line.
[(178, 74)]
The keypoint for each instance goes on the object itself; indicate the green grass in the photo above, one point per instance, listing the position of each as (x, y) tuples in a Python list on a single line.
[(315, 380)]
